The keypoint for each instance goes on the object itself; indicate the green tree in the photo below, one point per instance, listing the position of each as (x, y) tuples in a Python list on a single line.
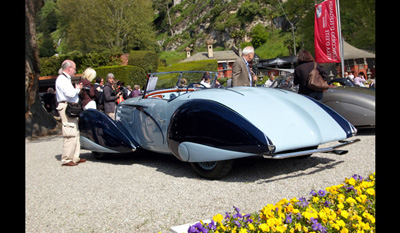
[(106, 25), (259, 35), (248, 10), (358, 23)]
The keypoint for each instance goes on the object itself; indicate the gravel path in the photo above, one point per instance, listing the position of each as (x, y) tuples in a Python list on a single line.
[(148, 192)]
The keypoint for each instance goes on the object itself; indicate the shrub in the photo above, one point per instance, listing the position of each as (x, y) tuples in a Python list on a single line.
[(148, 60), (50, 65), (130, 75), (203, 65)]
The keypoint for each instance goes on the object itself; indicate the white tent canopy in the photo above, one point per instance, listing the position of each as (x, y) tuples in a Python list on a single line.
[(351, 52)]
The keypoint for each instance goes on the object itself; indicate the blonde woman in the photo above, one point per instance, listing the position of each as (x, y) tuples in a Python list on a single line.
[(87, 93)]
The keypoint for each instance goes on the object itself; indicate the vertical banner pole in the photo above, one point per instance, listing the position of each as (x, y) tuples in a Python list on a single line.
[(340, 38)]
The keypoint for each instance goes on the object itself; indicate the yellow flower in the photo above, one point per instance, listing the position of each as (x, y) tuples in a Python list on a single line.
[(344, 214), (218, 218), (281, 228), (289, 209), (341, 223), (350, 181), (243, 230), (297, 226), (340, 206), (351, 200), (371, 191), (344, 230), (251, 227), (294, 200), (323, 216), (271, 222), (282, 202), (305, 229), (310, 212), (362, 198), (369, 217), (371, 177), (267, 211), (365, 226), (315, 199), (264, 227), (336, 226), (341, 198)]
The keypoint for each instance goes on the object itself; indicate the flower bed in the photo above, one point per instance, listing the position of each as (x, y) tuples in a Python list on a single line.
[(348, 207)]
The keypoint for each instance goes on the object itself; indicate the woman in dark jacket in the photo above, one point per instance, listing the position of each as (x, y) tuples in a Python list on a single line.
[(87, 93), (305, 63)]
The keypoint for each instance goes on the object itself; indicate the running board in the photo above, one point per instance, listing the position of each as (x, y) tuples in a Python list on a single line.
[(308, 152)]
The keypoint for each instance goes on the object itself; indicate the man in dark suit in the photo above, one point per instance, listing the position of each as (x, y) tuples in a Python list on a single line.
[(242, 75)]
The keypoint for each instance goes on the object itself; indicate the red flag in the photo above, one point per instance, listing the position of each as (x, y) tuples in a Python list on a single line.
[(326, 36)]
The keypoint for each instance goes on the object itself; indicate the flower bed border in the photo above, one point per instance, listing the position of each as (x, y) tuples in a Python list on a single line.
[(347, 207)]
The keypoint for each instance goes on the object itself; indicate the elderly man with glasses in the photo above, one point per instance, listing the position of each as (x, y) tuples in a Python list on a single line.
[(67, 93)]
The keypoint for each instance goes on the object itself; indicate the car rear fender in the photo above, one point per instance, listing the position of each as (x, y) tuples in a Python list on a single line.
[(211, 124)]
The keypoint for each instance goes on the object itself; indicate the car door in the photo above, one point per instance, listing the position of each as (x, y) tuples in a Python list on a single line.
[(146, 122)]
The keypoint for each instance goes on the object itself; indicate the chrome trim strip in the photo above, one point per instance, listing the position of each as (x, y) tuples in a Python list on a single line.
[(307, 152)]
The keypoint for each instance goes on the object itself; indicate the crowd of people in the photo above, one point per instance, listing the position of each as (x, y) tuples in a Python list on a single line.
[(99, 96), (93, 96), (359, 80)]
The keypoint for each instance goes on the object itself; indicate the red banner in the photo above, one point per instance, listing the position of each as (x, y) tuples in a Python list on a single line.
[(326, 36)]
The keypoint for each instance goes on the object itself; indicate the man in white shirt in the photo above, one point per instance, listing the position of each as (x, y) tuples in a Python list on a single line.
[(66, 93)]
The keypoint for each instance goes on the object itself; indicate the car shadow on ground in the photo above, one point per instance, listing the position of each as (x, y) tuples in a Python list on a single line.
[(251, 169), (260, 170)]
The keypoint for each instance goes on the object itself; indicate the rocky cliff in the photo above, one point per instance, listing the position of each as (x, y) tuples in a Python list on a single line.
[(190, 23)]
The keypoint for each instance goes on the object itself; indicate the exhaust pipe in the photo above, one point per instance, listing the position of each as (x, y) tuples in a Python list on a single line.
[(339, 152)]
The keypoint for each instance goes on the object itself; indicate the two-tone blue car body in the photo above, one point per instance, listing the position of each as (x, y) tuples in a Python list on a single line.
[(209, 127)]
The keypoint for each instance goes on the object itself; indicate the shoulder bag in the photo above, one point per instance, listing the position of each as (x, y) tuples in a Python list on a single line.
[(315, 80), (74, 109)]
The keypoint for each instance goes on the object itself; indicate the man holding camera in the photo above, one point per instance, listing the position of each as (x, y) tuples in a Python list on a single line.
[(66, 93), (110, 97)]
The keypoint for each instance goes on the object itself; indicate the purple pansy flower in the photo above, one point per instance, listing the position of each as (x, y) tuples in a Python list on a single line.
[(288, 218), (313, 192), (321, 193)]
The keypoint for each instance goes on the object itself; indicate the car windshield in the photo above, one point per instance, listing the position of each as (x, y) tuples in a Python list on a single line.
[(285, 82), (180, 80)]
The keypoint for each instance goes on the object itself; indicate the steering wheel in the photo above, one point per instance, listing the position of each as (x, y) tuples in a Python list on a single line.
[(191, 85)]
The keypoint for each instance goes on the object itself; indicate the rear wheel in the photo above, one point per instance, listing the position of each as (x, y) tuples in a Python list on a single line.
[(213, 170)]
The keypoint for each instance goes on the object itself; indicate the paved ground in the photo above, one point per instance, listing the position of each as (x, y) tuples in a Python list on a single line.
[(147, 192)]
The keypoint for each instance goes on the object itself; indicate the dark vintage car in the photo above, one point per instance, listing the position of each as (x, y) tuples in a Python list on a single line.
[(210, 127), (356, 104)]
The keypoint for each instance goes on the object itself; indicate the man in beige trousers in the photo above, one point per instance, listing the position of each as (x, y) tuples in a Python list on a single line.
[(66, 93)]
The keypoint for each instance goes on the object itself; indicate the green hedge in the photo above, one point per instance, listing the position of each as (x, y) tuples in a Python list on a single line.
[(130, 75), (203, 65), (50, 65), (148, 60)]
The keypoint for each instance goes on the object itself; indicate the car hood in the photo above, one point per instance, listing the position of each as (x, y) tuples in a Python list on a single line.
[(289, 120)]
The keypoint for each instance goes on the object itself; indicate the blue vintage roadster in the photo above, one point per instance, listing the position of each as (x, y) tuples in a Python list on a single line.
[(210, 127)]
